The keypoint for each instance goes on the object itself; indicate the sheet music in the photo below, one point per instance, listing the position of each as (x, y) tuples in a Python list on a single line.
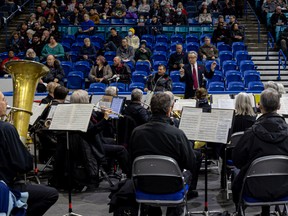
[(37, 110), (148, 97), (283, 105), (225, 104), (71, 117), (217, 97), (51, 111), (208, 127), (180, 103)]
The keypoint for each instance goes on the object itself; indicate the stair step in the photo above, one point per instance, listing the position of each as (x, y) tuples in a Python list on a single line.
[(264, 58), (261, 53), (269, 62), (265, 67)]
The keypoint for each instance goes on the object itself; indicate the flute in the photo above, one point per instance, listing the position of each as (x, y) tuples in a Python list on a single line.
[(112, 112)]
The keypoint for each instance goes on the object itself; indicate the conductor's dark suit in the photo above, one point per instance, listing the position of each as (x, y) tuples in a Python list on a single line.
[(188, 79)]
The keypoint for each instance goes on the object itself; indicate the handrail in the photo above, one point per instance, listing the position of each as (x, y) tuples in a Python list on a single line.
[(258, 22), (280, 61), (270, 44), (19, 9)]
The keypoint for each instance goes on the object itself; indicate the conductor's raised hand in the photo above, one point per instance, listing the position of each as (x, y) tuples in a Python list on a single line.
[(213, 65)]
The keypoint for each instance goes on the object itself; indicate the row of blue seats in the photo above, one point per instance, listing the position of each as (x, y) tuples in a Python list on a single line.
[(236, 86)]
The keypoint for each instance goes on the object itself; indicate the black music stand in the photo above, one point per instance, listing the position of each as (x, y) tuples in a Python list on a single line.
[(225, 118), (71, 117)]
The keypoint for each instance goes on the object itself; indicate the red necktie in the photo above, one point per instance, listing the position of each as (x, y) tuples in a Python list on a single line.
[(194, 76)]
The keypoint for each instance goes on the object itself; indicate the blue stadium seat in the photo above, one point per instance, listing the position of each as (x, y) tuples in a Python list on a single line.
[(192, 38), (229, 65), (21, 55), (83, 66), (236, 46), (241, 55), (173, 47), (66, 46), (235, 86), (161, 39), (67, 67), (98, 38), (76, 46), (191, 46), (121, 86), (217, 77), (139, 76), (225, 55), (105, 21), (97, 45), (143, 66), (109, 55), (157, 63), (178, 87), (255, 86), (136, 85), (175, 76), (97, 87), (148, 38), (202, 37), (80, 38), (250, 76), (159, 56), (223, 47), (216, 86), (208, 65), (177, 38), (73, 56), (130, 21), (246, 65), (75, 80), (68, 39), (233, 76), (115, 21), (161, 47)]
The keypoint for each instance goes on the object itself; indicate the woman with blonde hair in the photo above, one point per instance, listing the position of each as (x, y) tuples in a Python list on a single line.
[(100, 72), (244, 113)]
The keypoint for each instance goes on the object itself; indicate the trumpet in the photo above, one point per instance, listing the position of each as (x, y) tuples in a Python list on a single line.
[(105, 108)]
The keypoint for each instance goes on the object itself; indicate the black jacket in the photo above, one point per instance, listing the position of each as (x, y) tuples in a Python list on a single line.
[(137, 112), (55, 72), (268, 136), (159, 83), (177, 59)]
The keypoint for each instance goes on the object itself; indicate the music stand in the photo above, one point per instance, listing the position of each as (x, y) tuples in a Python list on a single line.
[(71, 117), (217, 123)]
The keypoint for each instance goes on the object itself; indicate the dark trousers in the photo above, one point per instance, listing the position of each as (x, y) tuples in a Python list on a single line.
[(40, 199)]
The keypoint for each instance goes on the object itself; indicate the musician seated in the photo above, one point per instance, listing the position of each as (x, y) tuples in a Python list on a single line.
[(50, 88), (15, 160), (160, 81), (93, 136), (135, 108)]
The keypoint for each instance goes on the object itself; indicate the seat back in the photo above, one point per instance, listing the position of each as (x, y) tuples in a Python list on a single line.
[(97, 87), (163, 171), (258, 178), (235, 137)]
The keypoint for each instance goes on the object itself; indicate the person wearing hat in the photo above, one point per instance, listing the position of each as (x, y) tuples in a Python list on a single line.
[(133, 40), (143, 53)]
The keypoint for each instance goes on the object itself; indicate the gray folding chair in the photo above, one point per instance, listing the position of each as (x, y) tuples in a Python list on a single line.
[(265, 183), (158, 181)]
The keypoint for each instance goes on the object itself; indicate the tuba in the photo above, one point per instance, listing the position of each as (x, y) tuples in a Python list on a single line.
[(25, 75)]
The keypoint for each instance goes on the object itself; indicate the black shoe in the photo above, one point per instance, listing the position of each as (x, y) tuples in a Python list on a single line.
[(192, 194)]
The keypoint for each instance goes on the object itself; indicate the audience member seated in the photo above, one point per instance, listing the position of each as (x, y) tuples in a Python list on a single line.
[(141, 26), (180, 18), (143, 53), (122, 70), (37, 45), (204, 17), (165, 3), (23, 29), (159, 137), (236, 34), (267, 7), (167, 15), (203, 6), (38, 28), (220, 19), (31, 21), (71, 6), (232, 21), (228, 8), (215, 7), (221, 34), (155, 9), (113, 42), (283, 39), (18, 161), (56, 74), (82, 9), (133, 40), (87, 27), (106, 12), (11, 57), (50, 88), (132, 11), (76, 17), (159, 81), (144, 8), (277, 19), (119, 11), (87, 51), (94, 16), (31, 55), (101, 72), (267, 136), (39, 12), (54, 31), (45, 38), (15, 43), (125, 52), (53, 17), (155, 26), (178, 59), (208, 51), (135, 109), (28, 40), (53, 48), (180, 5)]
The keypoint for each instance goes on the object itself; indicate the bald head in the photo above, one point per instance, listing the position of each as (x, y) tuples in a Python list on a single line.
[(50, 60)]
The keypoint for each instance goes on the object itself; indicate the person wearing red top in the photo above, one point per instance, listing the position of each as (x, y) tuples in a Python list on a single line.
[(11, 57)]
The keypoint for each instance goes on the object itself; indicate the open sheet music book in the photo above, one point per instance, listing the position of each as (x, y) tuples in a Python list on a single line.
[(148, 98), (283, 106), (180, 103), (211, 126), (37, 110), (71, 117)]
